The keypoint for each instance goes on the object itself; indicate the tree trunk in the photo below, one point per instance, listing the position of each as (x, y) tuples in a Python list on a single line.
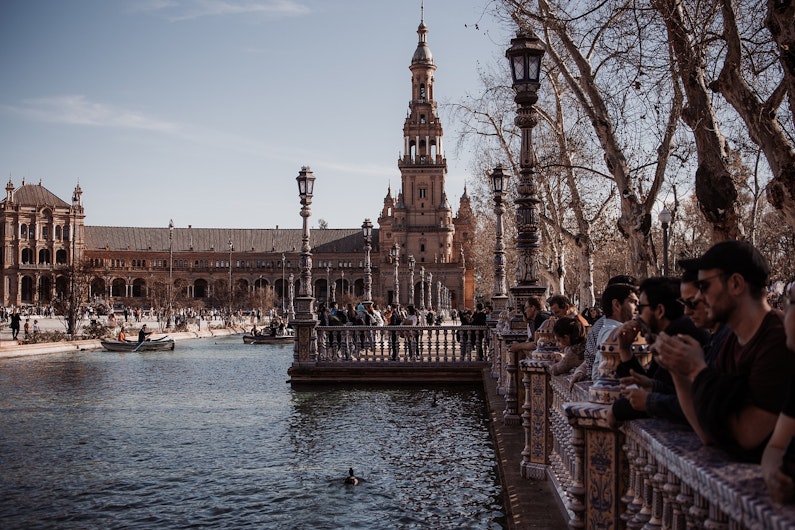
[(760, 117), (715, 188)]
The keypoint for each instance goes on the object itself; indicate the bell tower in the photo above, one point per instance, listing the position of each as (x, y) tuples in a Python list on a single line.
[(427, 216), (420, 218)]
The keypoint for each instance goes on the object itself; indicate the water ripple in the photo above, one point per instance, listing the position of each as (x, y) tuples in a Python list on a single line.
[(210, 436)]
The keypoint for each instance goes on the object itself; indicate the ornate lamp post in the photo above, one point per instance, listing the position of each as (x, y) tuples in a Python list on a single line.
[(231, 248), (170, 292), (499, 300), (283, 294), (291, 291), (395, 253), (665, 218), (342, 283), (412, 263), (328, 287), (525, 56), (422, 288), (367, 232), (430, 290), (305, 319)]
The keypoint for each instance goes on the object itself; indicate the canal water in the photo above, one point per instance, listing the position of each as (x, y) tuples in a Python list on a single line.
[(211, 435)]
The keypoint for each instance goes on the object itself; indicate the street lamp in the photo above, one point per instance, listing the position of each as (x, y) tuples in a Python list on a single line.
[(499, 180), (342, 285), (412, 262), (305, 320), (170, 270), (283, 296), (665, 218), (430, 291), (291, 291), (231, 248), (367, 232), (395, 252), (328, 287), (525, 56), (422, 288)]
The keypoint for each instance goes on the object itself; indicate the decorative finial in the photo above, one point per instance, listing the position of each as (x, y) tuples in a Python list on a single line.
[(422, 11)]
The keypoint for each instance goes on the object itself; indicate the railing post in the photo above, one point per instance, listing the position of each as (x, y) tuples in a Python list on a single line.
[(535, 419), (603, 466), (510, 415)]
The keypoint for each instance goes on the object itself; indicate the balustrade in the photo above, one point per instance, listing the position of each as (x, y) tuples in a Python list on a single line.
[(415, 344), (648, 474)]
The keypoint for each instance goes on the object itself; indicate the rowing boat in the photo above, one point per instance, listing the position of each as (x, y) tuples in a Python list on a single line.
[(161, 344), (267, 338)]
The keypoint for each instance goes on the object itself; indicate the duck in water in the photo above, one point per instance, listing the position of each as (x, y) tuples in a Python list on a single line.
[(351, 478)]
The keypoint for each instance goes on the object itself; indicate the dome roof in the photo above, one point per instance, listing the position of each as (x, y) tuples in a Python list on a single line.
[(422, 54)]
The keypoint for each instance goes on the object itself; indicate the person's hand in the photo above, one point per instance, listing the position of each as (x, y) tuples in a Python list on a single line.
[(640, 380), (680, 354), (576, 378), (522, 346), (636, 396), (626, 335), (780, 485)]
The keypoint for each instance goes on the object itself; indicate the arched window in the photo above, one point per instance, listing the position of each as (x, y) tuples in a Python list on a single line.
[(60, 257), (27, 256), (66, 233), (44, 256), (422, 91), (23, 231), (45, 233), (57, 232)]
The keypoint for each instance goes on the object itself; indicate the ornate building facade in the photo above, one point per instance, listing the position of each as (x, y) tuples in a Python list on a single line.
[(44, 235)]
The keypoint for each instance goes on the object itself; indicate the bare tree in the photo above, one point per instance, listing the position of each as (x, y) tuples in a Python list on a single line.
[(764, 118)]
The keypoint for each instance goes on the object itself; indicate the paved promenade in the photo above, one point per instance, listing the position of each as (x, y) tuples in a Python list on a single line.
[(528, 503)]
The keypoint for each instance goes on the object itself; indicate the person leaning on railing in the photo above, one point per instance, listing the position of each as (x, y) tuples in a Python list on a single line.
[(778, 460), (570, 336), (534, 315), (735, 403)]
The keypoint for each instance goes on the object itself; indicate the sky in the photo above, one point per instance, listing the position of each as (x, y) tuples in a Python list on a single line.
[(204, 111)]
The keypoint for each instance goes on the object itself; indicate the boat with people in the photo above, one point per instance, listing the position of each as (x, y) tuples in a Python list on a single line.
[(284, 337), (162, 344)]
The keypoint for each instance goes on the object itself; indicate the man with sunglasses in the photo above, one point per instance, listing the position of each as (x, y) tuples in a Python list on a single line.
[(696, 310), (654, 393), (734, 403)]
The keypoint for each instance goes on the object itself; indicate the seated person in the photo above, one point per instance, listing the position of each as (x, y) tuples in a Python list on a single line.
[(143, 334), (570, 335), (122, 336)]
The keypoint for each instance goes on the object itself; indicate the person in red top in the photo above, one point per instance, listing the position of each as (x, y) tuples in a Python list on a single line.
[(736, 402)]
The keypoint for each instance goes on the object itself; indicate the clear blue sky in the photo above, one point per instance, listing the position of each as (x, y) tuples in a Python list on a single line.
[(204, 111)]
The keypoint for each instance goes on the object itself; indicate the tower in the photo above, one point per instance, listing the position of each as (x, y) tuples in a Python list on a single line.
[(421, 219)]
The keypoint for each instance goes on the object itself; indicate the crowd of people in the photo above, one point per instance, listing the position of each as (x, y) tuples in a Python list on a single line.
[(723, 357)]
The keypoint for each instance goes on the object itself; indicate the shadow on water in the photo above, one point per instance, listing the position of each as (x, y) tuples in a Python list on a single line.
[(210, 435)]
